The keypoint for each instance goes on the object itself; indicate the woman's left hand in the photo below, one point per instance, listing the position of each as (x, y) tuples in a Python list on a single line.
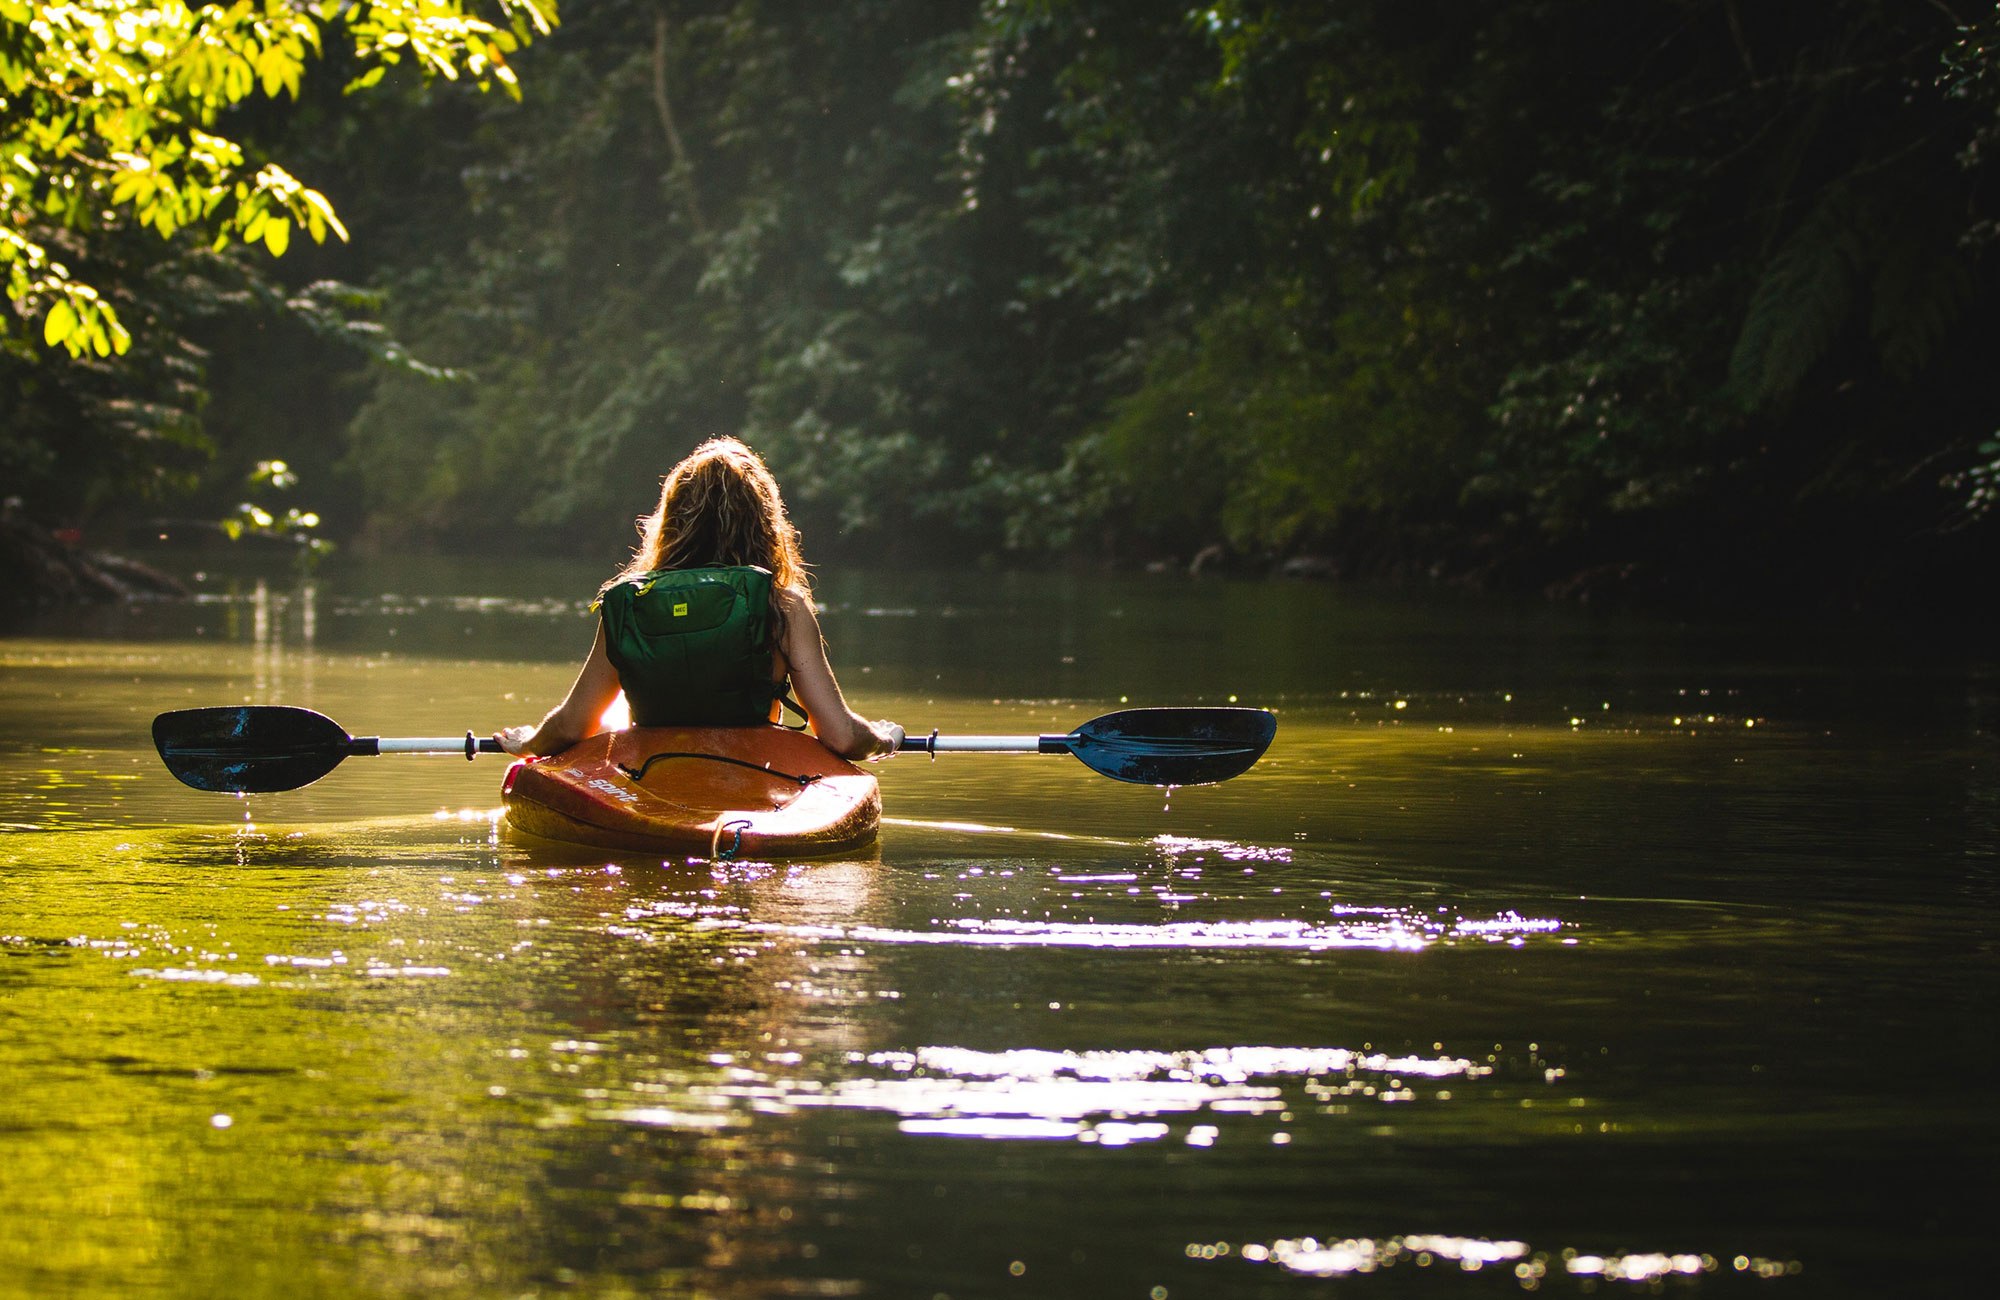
[(515, 739)]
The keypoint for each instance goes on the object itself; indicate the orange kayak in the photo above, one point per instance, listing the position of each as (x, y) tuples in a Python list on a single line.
[(722, 792)]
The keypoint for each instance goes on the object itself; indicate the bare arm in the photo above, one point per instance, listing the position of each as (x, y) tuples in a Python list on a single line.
[(838, 727), (576, 717)]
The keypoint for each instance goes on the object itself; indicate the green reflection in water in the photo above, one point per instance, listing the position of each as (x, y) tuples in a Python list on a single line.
[(1501, 965)]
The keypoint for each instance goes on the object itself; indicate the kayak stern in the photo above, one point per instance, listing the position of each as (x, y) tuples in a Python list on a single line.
[(718, 792)]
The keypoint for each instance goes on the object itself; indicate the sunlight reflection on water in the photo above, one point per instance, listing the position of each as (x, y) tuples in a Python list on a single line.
[(1089, 1096), (1390, 930), (1312, 1257)]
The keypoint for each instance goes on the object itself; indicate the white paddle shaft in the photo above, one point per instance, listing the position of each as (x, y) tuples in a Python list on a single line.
[(420, 744), (978, 744), (468, 745)]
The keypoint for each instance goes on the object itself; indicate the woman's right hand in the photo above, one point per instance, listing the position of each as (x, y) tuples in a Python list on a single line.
[(888, 737)]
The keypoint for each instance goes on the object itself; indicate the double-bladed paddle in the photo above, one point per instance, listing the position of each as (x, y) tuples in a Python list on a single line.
[(261, 748)]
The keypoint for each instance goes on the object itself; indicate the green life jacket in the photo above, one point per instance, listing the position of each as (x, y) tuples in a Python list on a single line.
[(693, 647)]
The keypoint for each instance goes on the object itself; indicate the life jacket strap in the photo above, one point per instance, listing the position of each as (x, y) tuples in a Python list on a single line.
[(784, 697)]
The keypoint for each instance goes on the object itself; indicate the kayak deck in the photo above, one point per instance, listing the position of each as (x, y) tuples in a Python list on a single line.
[(724, 792)]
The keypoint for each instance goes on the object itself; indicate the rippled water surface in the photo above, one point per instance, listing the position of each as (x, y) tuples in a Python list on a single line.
[(1544, 952)]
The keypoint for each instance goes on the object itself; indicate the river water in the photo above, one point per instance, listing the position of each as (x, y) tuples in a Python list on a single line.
[(1545, 951)]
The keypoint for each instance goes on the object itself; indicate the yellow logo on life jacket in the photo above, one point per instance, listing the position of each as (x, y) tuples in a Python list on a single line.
[(680, 610)]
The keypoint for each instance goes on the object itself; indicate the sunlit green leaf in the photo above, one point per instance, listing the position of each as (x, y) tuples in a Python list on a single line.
[(317, 202), (60, 324), (272, 67)]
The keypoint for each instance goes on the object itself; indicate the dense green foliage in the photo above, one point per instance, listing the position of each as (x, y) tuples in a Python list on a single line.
[(115, 172), (1515, 290)]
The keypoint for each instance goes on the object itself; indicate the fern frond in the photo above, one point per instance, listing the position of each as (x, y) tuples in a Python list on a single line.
[(1802, 302)]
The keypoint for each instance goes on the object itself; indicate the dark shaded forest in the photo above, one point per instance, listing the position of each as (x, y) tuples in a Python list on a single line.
[(1666, 300)]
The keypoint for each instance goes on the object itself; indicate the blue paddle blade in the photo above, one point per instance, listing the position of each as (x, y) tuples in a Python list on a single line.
[(1198, 746), (249, 749)]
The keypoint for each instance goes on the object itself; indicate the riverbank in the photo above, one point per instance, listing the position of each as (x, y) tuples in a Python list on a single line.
[(44, 569), (1928, 585)]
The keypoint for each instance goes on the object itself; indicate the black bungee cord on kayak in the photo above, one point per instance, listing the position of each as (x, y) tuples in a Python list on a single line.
[(639, 773)]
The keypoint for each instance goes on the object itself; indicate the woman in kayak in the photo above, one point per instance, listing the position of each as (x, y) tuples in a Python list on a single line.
[(710, 620)]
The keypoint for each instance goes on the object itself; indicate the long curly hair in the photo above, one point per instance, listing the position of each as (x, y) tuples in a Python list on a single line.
[(720, 506)]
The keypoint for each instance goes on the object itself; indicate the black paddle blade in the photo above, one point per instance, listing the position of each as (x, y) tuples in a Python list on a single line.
[(250, 749), (1174, 746)]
